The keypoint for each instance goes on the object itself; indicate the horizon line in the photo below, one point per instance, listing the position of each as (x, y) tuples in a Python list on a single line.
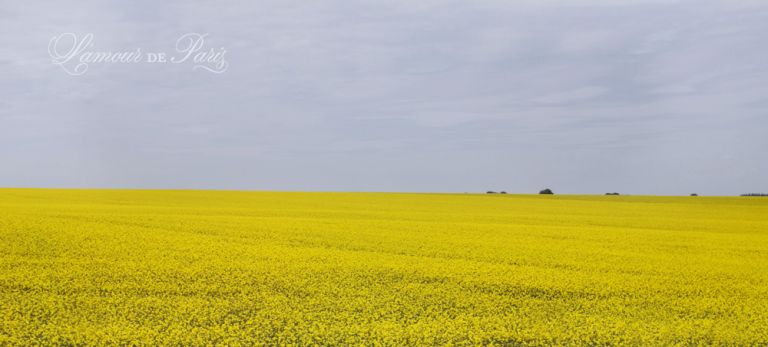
[(358, 191)]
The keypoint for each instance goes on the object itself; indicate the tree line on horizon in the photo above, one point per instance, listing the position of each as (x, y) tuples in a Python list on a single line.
[(548, 191)]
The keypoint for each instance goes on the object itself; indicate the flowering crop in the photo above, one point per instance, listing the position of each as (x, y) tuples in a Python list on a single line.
[(132, 267)]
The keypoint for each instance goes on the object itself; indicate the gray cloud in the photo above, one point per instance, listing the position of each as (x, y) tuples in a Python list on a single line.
[(643, 97)]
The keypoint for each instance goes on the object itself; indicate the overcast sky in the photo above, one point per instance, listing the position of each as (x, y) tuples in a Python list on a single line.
[(638, 97)]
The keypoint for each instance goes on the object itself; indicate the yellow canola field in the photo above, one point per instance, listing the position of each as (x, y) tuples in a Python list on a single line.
[(107, 267)]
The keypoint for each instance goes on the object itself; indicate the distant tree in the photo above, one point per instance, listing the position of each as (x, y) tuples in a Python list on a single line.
[(614, 193), (490, 192), (502, 192), (546, 191), (694, 194)]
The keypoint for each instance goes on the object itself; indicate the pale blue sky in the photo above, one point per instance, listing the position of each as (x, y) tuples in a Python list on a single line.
[(639, 97)]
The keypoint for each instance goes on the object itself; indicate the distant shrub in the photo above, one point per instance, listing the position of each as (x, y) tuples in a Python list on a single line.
[(502, 192), (490, 192), (546, 191), (694, 194), (754, 194), (614, 193)]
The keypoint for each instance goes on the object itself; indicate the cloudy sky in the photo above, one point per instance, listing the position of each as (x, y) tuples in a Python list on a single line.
[(639, 97)]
